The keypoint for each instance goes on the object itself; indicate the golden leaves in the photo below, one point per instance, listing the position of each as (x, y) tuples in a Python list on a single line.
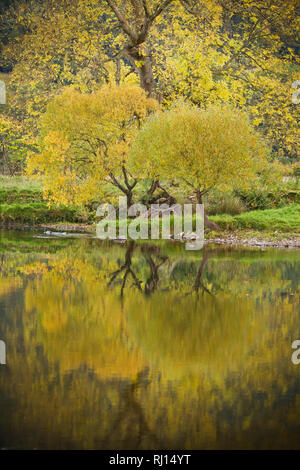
[(85, 137), (209, 148)]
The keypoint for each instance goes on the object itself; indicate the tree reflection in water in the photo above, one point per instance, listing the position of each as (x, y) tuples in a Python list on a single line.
[(148, 346)]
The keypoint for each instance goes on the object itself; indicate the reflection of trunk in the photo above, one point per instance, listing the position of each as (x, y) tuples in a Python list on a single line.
[(198, 282), (132, 415), (126, 268), (207, 223), (155, 261), (151, 283)]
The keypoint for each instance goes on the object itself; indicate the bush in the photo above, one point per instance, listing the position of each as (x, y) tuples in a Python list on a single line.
[(223, 203), (266, 198), (286, 219)]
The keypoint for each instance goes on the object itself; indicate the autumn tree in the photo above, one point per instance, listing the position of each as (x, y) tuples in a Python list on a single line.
[(86, 140), (203, 149), (136, 28), (243, 52), (13, 146)]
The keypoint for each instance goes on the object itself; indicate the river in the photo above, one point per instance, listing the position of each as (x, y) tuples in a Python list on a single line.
[(147, 346)]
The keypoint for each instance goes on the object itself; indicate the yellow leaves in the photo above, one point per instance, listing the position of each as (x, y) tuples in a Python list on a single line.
[(216, 147), (257, 121), (36, 269), (85, 137)]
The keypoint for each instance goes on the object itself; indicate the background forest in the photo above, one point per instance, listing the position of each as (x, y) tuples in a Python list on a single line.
[(91, 83)]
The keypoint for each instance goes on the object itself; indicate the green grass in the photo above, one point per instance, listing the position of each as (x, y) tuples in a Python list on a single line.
[(21, 202), (19, 189), (21, 183), (286, 219), (35, 213), (17, 195), (283, 220)]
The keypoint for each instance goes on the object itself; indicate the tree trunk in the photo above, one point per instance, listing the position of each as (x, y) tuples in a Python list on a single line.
[(6, 169), (163, 197), (126, 188), (146, 76), (137, 30), (207, 223), (142, 64)]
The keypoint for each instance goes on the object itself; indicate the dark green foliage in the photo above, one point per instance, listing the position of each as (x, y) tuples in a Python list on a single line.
[(267, 199)]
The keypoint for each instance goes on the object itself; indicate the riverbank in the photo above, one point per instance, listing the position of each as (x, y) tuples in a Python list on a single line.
[(263, 239), (22, 208)]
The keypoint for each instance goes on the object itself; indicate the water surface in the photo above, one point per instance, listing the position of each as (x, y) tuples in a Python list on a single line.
[(147, 346)]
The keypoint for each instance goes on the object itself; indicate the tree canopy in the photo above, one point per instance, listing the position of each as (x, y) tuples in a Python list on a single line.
[(239, 52), (203, 149), (85, 142)]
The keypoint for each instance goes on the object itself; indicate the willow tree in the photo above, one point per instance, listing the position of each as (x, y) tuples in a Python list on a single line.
[(85, 141), (202, 149)]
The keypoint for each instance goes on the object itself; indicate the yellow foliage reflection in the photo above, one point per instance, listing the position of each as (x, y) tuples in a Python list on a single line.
[(127, 347)]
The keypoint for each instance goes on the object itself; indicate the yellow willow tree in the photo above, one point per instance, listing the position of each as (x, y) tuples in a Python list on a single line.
[(85, 142), (204, 149)]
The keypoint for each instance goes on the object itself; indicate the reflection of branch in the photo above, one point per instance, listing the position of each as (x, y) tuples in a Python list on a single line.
[(128, 270), (198, 282), (130, 407), (152, 282)]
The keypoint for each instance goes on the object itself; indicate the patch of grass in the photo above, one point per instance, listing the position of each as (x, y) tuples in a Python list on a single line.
[(36, 213), (21, 183), (21, 202), (19, 189), (286, 219), (17, 195)]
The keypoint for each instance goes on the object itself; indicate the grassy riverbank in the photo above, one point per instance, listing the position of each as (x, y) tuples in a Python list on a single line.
[(285, 219), (21, 203)]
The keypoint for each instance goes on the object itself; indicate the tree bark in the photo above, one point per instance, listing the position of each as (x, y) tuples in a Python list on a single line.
[(164, 197), (137, 32), (146, 76), (208, 223), (6, 169), (126, 188)]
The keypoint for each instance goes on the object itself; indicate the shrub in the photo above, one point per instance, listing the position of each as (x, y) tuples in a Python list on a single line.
[(224, 203)]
